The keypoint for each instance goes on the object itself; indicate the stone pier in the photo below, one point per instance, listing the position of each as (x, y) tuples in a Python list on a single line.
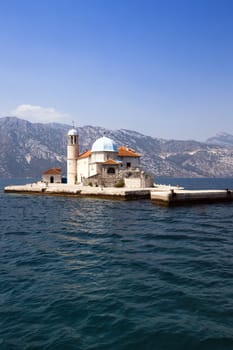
[(184, 197)]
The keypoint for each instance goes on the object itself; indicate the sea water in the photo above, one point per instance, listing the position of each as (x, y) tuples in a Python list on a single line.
[(78, 273)]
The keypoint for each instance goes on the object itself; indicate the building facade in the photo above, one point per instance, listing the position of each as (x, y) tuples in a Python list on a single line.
[(104, 165), (52, 175)]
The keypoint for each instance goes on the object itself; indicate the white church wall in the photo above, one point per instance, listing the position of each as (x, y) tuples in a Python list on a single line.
[(93, 169), (97, 157), (83, 168), (102, 156)]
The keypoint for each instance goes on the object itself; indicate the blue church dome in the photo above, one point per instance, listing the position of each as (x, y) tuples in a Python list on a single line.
[(104, 144)]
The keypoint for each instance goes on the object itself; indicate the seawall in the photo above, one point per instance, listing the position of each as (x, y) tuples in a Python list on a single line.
[(185, 197), (162, 195), (41, 188)]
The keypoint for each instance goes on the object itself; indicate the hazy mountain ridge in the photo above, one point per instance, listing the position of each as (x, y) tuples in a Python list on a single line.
[(27, 149), (221, 138)]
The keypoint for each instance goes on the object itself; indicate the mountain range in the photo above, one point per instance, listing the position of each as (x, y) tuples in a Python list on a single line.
[(28, 149)]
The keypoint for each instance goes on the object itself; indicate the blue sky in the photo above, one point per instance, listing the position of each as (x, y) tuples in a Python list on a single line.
[(160, 67)]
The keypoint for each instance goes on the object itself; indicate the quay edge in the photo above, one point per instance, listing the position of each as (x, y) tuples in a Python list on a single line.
[(80, 191), (185, 197), (162, 195)]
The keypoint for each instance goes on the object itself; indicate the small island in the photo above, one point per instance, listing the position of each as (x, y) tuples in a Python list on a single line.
[(109, 171)]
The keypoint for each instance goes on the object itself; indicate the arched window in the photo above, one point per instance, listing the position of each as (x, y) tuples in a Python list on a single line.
[(51, 179), (111, 171), (73, 140)]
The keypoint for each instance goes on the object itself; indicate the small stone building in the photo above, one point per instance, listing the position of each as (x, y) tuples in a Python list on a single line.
[(52, 175)]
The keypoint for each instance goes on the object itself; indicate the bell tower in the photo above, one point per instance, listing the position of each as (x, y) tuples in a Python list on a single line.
[(72, 156)]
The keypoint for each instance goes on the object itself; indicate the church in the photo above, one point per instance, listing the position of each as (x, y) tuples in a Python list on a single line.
[(105, 165)]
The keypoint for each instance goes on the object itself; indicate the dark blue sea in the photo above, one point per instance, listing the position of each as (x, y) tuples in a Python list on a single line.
[(100, 274)]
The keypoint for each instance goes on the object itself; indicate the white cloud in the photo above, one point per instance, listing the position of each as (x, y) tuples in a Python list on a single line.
[(40, 114)]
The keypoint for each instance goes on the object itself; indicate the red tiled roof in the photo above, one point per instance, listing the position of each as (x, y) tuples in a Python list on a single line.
[(127, 152), (84, 154), (111, 162), (52, 171)]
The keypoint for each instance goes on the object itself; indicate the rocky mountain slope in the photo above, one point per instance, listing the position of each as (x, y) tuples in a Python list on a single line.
[(27, 149), (222, 138)]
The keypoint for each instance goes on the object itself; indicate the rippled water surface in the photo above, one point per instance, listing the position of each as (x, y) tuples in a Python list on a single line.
[(100, 274)]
